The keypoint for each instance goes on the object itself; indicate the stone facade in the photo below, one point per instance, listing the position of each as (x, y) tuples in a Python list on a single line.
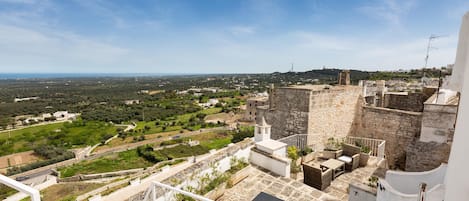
[(399, 128), (344, 77), (424, 156), (321, 111), (251, 107), (409, 102)]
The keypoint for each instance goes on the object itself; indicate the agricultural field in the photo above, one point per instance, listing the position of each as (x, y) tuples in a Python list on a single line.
[(177, 122), (131, 159), (115, 162), (69, 135), (6, 191), (67, 191)]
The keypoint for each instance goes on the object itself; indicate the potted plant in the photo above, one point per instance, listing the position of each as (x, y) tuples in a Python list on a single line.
[(332, 149), (295, 166), (364, 155), (307, 154)]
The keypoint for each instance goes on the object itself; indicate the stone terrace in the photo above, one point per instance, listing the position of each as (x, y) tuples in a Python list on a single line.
[(339, 186), (263, 181), (288, 189)]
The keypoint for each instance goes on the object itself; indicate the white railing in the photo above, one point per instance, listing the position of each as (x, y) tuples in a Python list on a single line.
[(33, 193), (298, 140), (377, 146)]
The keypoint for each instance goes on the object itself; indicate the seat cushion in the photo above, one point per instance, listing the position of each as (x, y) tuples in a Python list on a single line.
[(345, 159)]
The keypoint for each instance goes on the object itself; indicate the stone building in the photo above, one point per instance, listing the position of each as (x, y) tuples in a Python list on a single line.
[(321, 111), (251, 107), (344, 77)]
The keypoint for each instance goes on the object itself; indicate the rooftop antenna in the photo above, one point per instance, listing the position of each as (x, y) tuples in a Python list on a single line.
[(430, 39)]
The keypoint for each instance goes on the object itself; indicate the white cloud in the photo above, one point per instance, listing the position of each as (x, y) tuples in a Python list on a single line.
[(391, 11), (25, 50), (240, 30)]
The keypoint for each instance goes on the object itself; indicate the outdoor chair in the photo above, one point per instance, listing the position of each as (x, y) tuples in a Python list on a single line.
[(350, 156), (316, 178)]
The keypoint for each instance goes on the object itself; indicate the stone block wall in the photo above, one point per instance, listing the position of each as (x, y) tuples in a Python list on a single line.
[(320, 112), (411, 102), (332, 113), (290, 113), (399, 128), (424, 156)]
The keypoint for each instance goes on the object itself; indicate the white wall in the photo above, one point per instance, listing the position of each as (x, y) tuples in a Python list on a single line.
[(457, 177), (281, 168), (359, 194), (409, 182), (281, 152), (387, 193)]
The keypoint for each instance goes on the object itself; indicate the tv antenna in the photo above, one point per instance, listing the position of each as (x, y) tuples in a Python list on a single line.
[(430, 39)]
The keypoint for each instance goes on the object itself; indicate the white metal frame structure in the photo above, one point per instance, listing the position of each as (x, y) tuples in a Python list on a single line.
[(33, 193)]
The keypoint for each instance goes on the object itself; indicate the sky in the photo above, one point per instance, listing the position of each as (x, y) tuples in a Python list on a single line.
[(225, 36)]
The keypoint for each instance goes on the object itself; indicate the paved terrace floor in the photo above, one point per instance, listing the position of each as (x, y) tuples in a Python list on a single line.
[(288, 189)]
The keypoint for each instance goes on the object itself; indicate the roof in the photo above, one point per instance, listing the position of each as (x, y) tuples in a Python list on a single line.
[(271, 144), (266, 197), (320, 87)]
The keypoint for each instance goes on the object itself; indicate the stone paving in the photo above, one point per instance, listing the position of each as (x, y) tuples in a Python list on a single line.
[(262, 181), (288, 189)]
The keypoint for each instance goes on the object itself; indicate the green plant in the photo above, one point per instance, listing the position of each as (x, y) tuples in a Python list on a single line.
[(305, 151), (365, 149), (334, 144), (373, 181), (292, 153)]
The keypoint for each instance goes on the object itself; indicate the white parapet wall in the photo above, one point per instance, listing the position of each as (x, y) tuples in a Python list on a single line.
[(278, 165), (405, 186)]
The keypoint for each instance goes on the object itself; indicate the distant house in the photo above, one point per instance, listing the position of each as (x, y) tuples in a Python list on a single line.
[(25, 99), (131, 102), (210, 103), (60, 114), (64, 115)]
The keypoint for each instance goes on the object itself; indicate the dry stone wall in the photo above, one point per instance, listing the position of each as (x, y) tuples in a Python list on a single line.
[(399, 128), (290, 113), (411, 102), (332, 113), (321, 113), (424, 156)]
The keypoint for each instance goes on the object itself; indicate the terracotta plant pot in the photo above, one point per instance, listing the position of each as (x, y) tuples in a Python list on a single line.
[(364, 159)]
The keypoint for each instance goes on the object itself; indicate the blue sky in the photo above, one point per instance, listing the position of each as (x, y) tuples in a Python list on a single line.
[(224, 36)]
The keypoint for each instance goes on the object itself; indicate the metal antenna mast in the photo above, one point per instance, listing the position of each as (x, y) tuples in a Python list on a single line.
[(430, 39)]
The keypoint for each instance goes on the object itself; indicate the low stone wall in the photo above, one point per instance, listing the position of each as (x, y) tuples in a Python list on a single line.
[(424, 156), (101, 175), (399, 128), (411, 102), (361, 192)]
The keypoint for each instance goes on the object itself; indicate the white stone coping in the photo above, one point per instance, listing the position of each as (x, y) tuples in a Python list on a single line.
[(271, 145)]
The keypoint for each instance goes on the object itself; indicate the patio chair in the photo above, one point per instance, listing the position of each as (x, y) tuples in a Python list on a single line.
[(315, 177), (350, 156)]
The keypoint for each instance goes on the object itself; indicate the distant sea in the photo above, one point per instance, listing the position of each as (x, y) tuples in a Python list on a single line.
[(80, 75)]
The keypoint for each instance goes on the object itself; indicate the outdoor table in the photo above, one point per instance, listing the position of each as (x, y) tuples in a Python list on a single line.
[(337, 167)]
